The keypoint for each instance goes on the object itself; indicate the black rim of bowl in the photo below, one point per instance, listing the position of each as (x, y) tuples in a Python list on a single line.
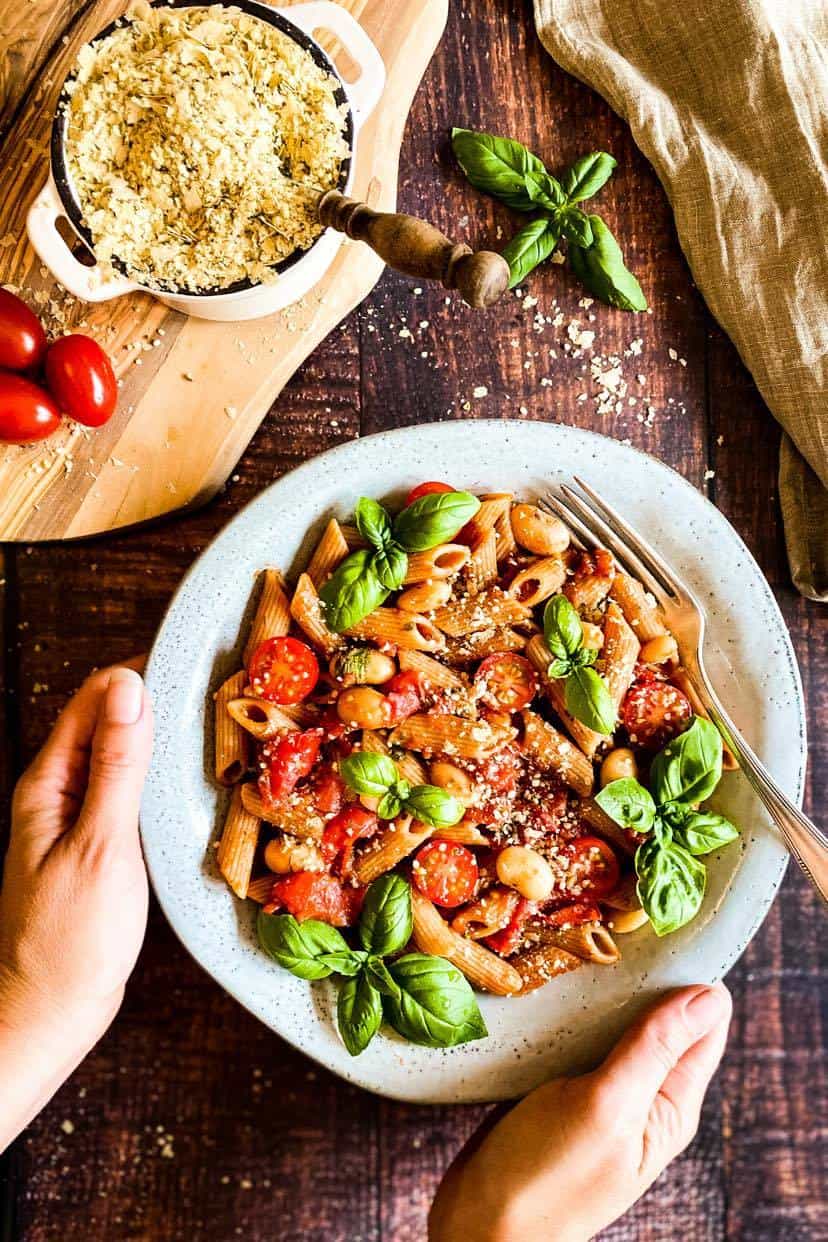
[(58, 154)]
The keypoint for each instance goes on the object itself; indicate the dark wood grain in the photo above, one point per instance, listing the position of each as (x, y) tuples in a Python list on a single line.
[(190, 1119)]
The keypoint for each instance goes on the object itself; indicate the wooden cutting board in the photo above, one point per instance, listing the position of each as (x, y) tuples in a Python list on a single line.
[(193, 392)]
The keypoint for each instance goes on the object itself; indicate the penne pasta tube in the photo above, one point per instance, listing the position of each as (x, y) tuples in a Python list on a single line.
[(480, 966), (450, 735), (330, 550), (638, 607), (260, 889), (308, 614), (258, 717), (552, 752), (622, 922), (464, 833), (619, 654), (437, 563), (231, 748), (388, 847), (408, 765), (538, 580), (589, 941), (481, 570), (681, 678), (351, 536), (489, 914), (484, 642), (237, 846), (491, 607), (432, 674), (536, 966), (587, 739), (272, 616), (505, 537), (588, 592), (597, 818), (302, 714), (296, 815), (625, 895), (493, 508), (408, 630)]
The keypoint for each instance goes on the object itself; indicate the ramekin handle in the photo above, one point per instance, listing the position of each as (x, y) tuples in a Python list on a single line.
[(365, 92), (81, 281)]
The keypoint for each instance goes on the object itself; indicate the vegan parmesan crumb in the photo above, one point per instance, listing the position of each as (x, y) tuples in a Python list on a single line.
[(198, 142)]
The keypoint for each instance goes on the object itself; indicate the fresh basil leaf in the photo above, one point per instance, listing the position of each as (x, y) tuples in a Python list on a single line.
[(390, 565), (431, 805), (347, 964), (386, 922), (544, 190), (433, 519), (367, 773), (358, 1013), (498, 166), (671, 884), (562, 628), (600, 268), (306, 949), (380, 976), (353, 664), (585, 657), (530, 247), (588, 700), (352, 592), (435, 1006), (560, 668), (689, 767), (372, 522), (587, 175), (662, 831), (576, 227), (628, 803), (700, 832), (389, 805)]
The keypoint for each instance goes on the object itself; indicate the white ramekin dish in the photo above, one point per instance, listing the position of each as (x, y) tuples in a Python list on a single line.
[(299, 272)]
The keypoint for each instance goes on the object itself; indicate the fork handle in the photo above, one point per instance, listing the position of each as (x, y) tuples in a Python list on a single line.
[(807, 842)]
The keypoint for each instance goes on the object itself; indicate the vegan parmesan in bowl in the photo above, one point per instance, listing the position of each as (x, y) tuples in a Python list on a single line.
[(197, 143)]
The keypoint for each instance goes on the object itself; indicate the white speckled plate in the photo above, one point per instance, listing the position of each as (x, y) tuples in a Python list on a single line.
[(571, 1022)]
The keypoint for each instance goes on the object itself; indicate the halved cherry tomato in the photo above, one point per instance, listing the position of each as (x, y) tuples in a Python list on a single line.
[(314, 895), (593, 870), (508, 681), (403, 695), (507, 940), (572, 916), (446, 873), (22, 339), (328, 791), (498, 773), (283, 670), (80, 378), (27, 413), (291, 759), (426, 489), (655, 711), (343, 831)]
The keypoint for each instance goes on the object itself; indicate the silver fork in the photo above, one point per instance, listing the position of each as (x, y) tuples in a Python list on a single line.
[(596, 524)]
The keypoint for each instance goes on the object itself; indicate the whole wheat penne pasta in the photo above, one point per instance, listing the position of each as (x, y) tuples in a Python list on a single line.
[(622, 922), (480, 966), (330, 550), (260, 718), (619, 654), (553, 752), (681, 678), (491, 607), (432, 674), (296, 814), (305, 715), (260, 889), (492, 509), (351, 536), (449, 735), (481, 570), (597, 818), (308, 614), (489, 914), (589, 941), (554, 688), (408, 630), (484, 642), (638, 607), (272, 616), (625, 895), (408, 765), (505, 536), (237, 846), (536, 966), (437, 563), (588, 592), (538, 580), (388, 847), (231, 747), (464, 833)]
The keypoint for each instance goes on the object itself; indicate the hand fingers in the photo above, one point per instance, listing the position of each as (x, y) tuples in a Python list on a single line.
[(119, 759)]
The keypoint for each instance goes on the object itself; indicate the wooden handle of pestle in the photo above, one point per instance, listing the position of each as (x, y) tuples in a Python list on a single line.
[(417, 248)]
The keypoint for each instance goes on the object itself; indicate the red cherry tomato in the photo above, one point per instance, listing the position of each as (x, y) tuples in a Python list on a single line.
[(79, 376), (328, 791), (343, 831), (655, 711), (508, 938), (593, 869), (403, 696), (22, 339), (572, 916), (313, 895), (508, 681), (498, 773), (426, 489), (26, 412), (283, 670), (446, 873), (291, 759)]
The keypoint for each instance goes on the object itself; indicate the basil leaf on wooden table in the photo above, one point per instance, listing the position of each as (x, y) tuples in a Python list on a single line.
[(689, 767), (497, 166), (701, 832), (575, 226), (310, 950), (588, 700), (352, 592), (386, 921), (531, 246), (671, 884), (432, 805), (562, 628), (367, 773), (372, 522), (436, 1005), (544, 191), (433, 519), (600, 267), (587, 175), (628, 803), (358, 1013)]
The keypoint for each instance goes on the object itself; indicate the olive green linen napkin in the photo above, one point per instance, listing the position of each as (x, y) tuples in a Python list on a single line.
[(728, 99)]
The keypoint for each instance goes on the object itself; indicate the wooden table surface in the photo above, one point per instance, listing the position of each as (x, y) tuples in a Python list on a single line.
[(190, 1119)]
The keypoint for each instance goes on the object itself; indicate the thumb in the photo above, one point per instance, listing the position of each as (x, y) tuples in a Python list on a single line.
[(119, 758)]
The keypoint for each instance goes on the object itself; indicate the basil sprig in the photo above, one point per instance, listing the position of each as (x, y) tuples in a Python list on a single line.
[(671, 882), (510, 172), (367, 577), (377, 777), (425, 999), (586, 695)]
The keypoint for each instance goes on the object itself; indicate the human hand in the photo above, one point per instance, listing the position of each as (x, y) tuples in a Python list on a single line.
[(578, 1152), (73, 906)]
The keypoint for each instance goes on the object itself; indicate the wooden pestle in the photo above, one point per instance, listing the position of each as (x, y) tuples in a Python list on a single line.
[(417, 248)]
